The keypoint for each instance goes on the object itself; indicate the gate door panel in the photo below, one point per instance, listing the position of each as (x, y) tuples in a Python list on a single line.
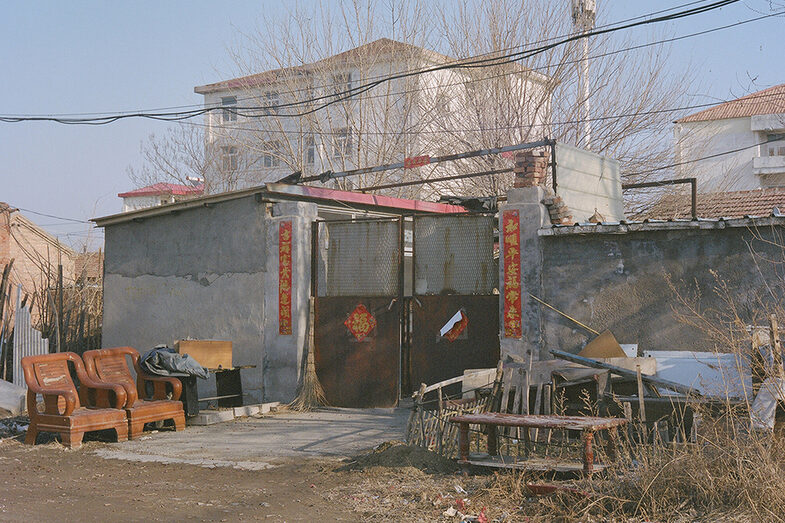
[(358, 273), (454, 278)]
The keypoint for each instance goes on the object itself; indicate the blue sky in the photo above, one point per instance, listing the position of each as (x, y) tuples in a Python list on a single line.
[(74, 57)]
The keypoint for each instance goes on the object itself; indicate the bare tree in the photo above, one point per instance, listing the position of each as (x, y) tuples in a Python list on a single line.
[(305, 63), (178, 156)]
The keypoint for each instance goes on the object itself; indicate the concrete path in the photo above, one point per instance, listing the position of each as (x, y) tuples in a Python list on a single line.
[(258, 443)]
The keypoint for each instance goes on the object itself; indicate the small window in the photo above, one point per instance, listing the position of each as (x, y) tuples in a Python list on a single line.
[(229, 103), (271, 100), (310, 150), (341, 83), (229, 158), (776, 144), (271, 157), (343, 143)]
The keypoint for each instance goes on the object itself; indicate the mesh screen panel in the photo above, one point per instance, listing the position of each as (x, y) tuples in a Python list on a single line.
[(358, 258), (454, 255)]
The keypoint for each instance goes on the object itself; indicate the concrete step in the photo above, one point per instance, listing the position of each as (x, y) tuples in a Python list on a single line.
[(210, 416)]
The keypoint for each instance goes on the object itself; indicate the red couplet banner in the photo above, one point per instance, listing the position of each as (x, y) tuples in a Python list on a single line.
[(285, 277), (512, 274)]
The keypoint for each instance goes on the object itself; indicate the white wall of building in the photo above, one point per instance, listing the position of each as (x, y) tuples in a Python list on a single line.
[(750, 167)]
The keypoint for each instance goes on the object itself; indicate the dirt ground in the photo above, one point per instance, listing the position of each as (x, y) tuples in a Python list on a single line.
[(50, 483)]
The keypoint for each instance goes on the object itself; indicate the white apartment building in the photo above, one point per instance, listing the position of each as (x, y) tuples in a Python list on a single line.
[(753, 127), (300, 118)]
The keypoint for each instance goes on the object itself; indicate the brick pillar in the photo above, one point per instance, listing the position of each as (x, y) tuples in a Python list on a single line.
[(530, 168)]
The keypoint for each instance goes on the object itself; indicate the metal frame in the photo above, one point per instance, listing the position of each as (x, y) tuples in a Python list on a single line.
[(693, 189), (329, 175)]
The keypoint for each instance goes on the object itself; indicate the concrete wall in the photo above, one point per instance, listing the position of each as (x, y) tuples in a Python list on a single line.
[(629, 278), (619, 282), (206, 273)]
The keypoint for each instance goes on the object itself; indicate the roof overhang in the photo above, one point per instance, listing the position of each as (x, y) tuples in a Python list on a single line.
[(325, 197)]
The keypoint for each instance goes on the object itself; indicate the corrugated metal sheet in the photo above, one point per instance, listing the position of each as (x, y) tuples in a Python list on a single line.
[(768, 101), (27, 340)]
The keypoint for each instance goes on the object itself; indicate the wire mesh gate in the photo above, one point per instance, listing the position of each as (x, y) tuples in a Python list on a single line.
[(376, 339), (358, 283), (454, 311)]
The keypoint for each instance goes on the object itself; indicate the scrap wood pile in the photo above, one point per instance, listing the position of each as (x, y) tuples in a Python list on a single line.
[(662, 394)]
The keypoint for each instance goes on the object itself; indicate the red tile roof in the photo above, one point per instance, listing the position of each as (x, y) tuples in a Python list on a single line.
[(380, 47), (377, 47), (768, 101), (165, 188), (735, 204)]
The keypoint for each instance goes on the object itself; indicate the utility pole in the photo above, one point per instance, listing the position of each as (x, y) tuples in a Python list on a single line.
[(583, 16)]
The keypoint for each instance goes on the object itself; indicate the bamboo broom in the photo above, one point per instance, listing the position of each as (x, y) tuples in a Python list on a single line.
[(310, 393)]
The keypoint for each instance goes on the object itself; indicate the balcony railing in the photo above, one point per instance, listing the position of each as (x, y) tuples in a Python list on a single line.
[(768, 165)]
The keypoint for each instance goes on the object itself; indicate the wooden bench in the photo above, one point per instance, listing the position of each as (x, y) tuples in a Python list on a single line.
[(586, 425), (65, 411), (110, 366)]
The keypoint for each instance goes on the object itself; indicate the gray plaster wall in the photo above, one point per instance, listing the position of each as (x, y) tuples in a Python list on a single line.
[(620, 282), (532, 216), (211, 273), (284, 354)]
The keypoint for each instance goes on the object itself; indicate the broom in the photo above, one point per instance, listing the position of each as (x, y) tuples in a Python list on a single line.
[(310, 393)]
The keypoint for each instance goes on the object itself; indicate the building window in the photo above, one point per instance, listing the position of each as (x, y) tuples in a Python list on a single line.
[(343, 143), (229, 158), (776, 144), (271, 156), (342, 82), (271, 100), (310, 150), (229, 103)]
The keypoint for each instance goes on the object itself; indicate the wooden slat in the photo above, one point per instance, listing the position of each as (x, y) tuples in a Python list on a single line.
[(538, 464)]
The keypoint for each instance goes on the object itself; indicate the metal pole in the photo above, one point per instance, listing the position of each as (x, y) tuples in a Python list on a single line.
[(328, 175)]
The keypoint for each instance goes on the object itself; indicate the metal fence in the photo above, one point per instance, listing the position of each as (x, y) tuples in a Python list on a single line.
[(453, 254), (27, 340), (359, 258)]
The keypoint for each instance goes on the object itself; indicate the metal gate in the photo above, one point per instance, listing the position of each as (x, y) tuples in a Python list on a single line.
[(375, 339), (357, 271), (454, 311)]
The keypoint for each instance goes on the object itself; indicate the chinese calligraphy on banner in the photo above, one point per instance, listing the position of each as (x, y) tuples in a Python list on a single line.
[(285, 277), (512, 274)]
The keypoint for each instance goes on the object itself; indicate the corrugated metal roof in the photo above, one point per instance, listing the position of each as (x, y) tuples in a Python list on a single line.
[(767, 101)]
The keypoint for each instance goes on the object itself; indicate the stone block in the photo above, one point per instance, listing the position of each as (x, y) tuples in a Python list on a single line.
[(12, 398), (211, 417)]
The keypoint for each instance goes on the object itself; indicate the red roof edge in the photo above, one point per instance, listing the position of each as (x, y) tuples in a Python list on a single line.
[(391, 202), (164, 188)]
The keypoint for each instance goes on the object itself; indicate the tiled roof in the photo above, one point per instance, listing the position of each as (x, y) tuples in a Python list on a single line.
[(736, 204), (768, 101), (377, 47), (164, 188), (380, 47)]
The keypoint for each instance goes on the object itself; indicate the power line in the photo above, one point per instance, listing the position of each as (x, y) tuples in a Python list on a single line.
[(685, 162), (353, 91), (496, 128), (53, 216), (217, 105)]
